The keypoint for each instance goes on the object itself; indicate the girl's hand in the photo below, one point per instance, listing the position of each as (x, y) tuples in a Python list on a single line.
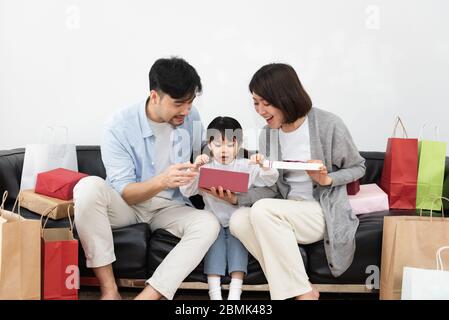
[(202, 159), (258, 159), (225, 195), (321, 177)]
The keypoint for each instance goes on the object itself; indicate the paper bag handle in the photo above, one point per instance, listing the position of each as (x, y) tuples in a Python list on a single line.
[(439, 260), (404, 131), (51, 129), (442, 206), (431, 209), (2, 206), (18, 206), (47, 214), (437, 132), (70, 218)]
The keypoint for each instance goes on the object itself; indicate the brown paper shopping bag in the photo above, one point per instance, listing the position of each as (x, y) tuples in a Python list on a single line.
[(409, 241), (20, 256)]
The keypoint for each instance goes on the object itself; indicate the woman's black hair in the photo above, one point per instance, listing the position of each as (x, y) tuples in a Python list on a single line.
[(279, 85)]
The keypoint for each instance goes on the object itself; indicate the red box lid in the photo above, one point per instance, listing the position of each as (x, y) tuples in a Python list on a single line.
[(232, 180)]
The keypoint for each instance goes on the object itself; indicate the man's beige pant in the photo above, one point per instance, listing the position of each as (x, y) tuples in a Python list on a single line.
[(271, 230), (99, 209)]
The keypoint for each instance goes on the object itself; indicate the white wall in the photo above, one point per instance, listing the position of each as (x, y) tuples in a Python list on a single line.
[(74, 62)]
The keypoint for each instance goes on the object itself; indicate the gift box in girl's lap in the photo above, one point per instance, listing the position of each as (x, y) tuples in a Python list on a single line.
[(58, 183), (370, 198)]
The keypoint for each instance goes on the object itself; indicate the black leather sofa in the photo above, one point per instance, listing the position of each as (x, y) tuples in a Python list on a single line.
[(139, 251)]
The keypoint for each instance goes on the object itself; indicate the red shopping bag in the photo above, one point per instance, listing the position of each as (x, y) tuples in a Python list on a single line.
[(60, 273), (400, 170), (58, 183)]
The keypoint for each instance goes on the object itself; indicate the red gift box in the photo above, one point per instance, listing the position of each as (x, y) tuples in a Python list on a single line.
[(58, 183), (229, 180), (353, 188)]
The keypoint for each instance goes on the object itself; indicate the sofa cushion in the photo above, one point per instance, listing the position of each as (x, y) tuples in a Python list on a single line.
[(130, 245), (368, 251)]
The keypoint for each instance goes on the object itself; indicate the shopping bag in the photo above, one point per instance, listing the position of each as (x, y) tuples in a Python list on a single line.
[(432, 159), (426, 284), (44, 157), (20, 255), (400, 170), (409, 241), (60, 273)]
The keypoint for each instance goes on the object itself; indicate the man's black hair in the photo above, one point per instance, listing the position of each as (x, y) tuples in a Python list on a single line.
[(175, 77)]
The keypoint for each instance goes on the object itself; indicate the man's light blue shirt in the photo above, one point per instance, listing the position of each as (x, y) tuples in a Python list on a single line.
[(127, 148)]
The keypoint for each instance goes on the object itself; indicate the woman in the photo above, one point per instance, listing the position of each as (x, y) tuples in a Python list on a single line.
[(309, 206)]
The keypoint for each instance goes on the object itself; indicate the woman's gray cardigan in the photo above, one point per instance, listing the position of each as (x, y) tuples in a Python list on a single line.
[(331, 142)]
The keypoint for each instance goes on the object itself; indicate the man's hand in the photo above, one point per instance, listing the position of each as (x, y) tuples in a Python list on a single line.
[(225, 195), (201, 160), (321, 177), (177, 175)]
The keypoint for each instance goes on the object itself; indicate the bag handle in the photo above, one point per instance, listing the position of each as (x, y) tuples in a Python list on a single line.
[(404, 131), (70, 218), (47, 214), (51, 136), (17, 202), (436, 133), (431, 209), (2, 206), (66, 136), (440, 266)]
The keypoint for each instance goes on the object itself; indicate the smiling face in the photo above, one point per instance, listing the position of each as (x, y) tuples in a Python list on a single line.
[(163, 108), (272, 115), (224, 151)]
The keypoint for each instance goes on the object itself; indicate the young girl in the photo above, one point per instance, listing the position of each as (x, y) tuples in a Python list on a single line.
[(224, 142)]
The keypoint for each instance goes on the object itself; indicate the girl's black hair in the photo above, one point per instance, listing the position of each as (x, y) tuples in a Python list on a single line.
[(226, 127)]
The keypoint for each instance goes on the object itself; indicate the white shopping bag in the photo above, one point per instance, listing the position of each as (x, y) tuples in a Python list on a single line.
[(47, 156), (426, 284)]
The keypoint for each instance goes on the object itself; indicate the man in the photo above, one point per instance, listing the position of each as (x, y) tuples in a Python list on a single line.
[(146, 150)]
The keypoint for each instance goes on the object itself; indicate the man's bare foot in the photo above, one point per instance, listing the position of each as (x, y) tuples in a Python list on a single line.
[(316, 293), (110, 294), (307, 296), (149, 293)]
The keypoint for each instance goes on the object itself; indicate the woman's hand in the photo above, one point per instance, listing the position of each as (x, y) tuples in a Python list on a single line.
[(321, 177), (220, 193), (201, 160)]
